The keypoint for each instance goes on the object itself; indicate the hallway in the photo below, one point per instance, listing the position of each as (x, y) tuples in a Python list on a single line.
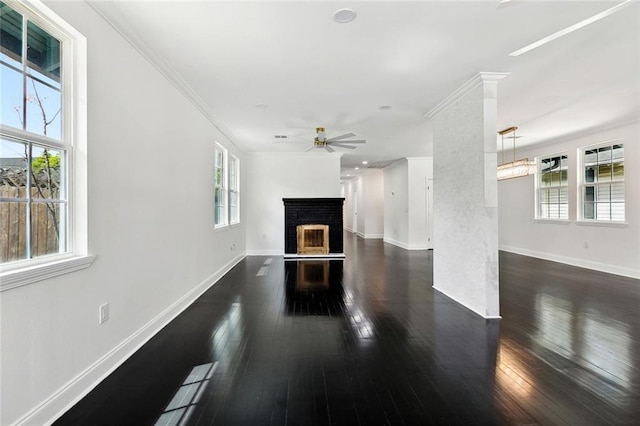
[(367, 341)]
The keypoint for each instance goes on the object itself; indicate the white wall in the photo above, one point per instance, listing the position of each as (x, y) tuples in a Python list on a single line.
[(396, 203), (348, 186), (405, 203), (370, 187), (420, 169), (610, 249), (150, 165), (270, 177), (367, 190), (351, 204)]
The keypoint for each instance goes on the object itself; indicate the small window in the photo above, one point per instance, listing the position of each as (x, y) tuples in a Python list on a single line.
[(553, 188), (234, 189), (220, 180), (602, 183)]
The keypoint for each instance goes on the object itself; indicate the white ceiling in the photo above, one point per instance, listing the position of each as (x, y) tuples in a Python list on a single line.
[(306, 70)]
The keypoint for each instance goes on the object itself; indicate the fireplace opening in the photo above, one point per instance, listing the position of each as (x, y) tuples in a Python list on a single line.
[(313, 239)]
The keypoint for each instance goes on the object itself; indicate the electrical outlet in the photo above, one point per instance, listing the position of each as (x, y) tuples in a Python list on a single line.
[(104, 313)]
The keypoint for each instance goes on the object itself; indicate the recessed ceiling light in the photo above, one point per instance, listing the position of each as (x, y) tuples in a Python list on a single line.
[(384, 107), (571, 28), (344, 16), (357, 168), (365, 162)]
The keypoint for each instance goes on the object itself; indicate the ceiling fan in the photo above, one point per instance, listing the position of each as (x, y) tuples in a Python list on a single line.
[(321, 141)]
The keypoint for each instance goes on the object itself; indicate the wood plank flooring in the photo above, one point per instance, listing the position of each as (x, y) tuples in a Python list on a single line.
[(367, 341)]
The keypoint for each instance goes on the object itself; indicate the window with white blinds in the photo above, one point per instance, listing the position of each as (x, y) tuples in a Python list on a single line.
[(602, 183)]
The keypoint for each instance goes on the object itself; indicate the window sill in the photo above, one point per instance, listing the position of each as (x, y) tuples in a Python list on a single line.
[(33, 273), (218, 228), (602, 223), (553, 221)]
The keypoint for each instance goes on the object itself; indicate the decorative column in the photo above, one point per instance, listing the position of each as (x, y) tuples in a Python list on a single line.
[(465, 234)]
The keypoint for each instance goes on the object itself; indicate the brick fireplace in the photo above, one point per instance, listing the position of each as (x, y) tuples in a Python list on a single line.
[(315, 214)]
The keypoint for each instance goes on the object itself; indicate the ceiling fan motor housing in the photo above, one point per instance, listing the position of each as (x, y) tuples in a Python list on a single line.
[(321, 139)]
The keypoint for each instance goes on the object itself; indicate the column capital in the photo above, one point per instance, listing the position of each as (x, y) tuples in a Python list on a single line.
[(478, 80)]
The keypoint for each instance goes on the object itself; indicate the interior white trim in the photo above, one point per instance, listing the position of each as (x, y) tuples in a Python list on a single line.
[(405, 245), (467, 87), (371, 236), (606, 224), (265, 252), (588, 264), (112, 16), (477, 313), (34, 273), (74, 390), (395, 243)]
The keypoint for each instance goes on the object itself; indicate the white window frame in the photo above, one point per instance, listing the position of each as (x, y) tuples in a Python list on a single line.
[(234, 188), (223, 186), (582, 184), (539, 188), (74, 130)]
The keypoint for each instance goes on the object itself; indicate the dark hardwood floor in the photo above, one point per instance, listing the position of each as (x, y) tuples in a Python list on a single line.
[(368, 341)]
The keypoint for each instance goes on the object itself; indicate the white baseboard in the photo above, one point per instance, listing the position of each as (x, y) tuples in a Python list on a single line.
[(396, 243), (582, 263), (371, 236), (348, 229), (73, 391), (265, 252), (405, 245), (465, 306)]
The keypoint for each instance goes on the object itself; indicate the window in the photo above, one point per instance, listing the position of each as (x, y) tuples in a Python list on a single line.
[(234, 189), (42, 80), (553, 190), (220, 178), (602, 189)]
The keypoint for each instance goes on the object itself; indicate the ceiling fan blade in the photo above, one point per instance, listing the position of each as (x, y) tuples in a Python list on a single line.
[(307, 150), (341, 145), (328, 148), (354, 141), (337, 138)]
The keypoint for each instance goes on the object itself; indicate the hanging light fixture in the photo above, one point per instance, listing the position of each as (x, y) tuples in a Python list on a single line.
[(514, 169)]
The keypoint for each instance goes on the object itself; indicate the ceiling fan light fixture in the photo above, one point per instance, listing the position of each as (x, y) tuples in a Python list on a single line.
[(344, 16)]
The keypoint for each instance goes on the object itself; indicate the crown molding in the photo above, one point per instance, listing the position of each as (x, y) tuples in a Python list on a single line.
[(475, 82), (109, 11)]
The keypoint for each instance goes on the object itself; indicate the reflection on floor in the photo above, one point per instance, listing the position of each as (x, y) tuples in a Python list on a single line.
[(366, 340)]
